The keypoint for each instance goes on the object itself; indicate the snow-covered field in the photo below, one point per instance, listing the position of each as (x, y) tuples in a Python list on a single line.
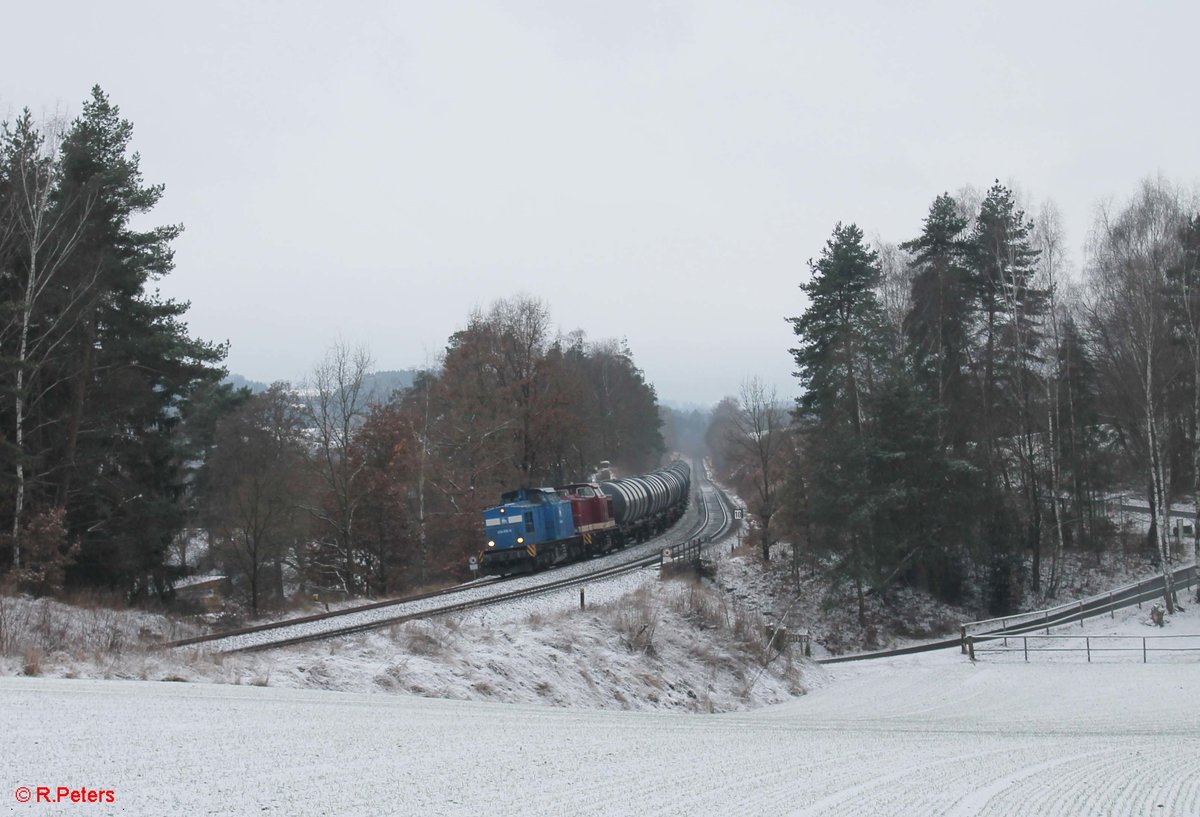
[(923, 735)]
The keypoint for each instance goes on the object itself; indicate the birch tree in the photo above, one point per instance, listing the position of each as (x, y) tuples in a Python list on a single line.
[(1049, 238), (1134, 250), (41, 231), (1185, 296)]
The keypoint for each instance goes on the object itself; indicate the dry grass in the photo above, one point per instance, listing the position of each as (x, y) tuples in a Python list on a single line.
[(31, 662), (423, 642), (636, 621), (91, 629), (706, 608)]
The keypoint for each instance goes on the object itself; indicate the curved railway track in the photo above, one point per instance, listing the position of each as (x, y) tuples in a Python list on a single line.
[(714, 520)]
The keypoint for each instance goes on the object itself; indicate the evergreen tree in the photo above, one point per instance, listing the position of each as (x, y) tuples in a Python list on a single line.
[(921, 499), (1003, 263), (841, 330), (1011, 309), (938, 324), (1084, 469), (842, 341), (107, 444)]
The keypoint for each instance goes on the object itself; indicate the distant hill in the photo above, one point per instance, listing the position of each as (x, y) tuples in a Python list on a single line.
[(380, 385), (239, 382), (683, 406)]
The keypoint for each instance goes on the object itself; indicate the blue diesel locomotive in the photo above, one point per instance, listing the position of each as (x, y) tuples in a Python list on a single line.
[(533, 528)]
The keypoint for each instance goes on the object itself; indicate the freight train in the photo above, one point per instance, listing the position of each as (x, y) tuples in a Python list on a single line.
[(533, 528)]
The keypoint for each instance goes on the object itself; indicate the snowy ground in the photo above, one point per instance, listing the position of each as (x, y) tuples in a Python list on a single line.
[(640, 644), (923, 735), (901, 617)]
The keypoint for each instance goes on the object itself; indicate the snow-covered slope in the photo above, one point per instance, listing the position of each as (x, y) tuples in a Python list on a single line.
[(639, 644)]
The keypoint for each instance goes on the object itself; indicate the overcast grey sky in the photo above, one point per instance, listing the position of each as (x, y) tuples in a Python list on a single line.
[(654, 171)]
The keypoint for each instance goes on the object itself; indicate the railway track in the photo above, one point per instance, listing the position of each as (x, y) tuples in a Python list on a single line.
[(1019, 624), (714, 519)]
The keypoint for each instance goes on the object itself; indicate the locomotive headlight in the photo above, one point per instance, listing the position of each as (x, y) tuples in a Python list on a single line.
[(520, 540), (491, 544)]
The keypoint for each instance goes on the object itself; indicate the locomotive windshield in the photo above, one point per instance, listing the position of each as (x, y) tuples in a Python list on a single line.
[(521, 495)]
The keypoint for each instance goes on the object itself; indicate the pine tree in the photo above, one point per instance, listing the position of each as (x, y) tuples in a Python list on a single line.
[(938, 324), (842, 341), (128, 372), (1003, 265), (921, 499), (1011, 309), (841, 330)]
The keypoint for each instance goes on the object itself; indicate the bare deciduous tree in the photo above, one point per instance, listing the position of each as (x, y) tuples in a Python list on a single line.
[(895, 290), (335, 407), (754, 440), (1049, 237)]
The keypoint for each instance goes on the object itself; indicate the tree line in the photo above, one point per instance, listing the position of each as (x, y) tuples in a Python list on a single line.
[(125, 456), (967, 406), (328, 487)]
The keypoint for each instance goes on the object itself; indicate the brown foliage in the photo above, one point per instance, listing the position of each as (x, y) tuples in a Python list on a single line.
[(46, 553)]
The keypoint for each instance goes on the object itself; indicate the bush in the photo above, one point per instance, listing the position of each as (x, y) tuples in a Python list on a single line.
[(45, 553)]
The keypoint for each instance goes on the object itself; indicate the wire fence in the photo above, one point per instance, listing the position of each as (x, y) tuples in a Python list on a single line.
[(1078, 611), (1094, 647)]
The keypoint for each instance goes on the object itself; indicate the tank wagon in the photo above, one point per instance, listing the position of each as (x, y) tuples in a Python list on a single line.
[(533, 528)]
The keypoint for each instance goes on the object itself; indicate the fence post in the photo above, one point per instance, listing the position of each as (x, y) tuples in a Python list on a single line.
[(963, 633), (1088, 643), (971, 647), (1143, 649), (1025, 639)]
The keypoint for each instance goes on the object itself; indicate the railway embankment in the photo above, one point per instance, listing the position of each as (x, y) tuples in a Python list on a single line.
[(674, 645)]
